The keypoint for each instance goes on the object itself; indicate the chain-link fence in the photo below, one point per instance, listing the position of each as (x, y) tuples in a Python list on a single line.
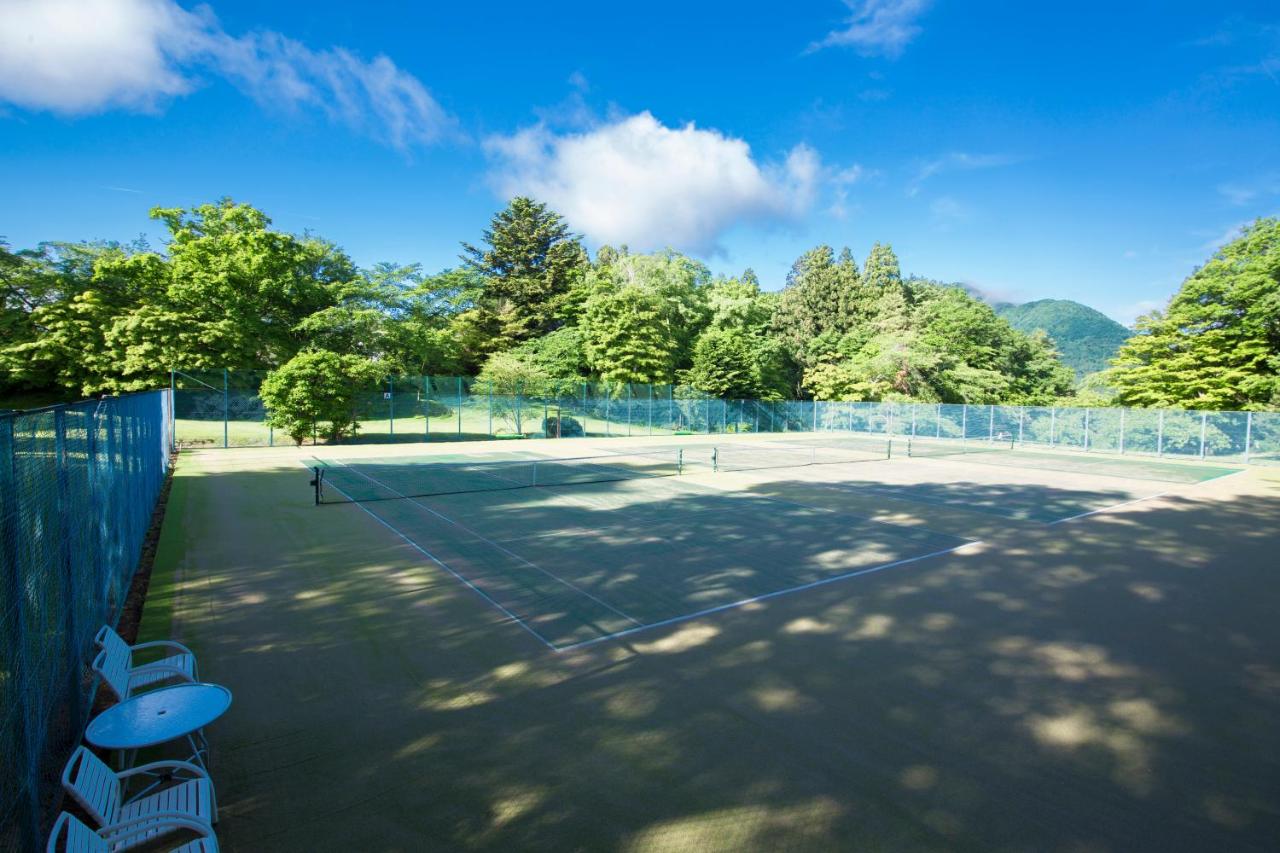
[(78, 486), (222, 409)]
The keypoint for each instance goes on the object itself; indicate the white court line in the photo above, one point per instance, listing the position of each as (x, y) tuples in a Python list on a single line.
[(442, 564), (1140, 500), (734, 604), (490, 542)]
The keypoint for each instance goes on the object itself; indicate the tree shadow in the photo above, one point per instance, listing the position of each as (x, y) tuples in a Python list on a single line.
[(1102, 685)]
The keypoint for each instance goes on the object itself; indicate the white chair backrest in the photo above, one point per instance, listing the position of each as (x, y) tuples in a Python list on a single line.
[(114, 669), (93, 785), (78, 837), (114, 643)]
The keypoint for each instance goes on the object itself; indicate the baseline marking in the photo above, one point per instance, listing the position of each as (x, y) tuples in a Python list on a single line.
[(1147, 498), (768, 595), (418, 503), (442, 564)]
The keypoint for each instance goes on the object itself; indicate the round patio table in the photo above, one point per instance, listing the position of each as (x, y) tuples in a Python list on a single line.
[(160, 716)]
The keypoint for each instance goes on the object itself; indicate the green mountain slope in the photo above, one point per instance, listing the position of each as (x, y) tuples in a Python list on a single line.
[(1086, 338)]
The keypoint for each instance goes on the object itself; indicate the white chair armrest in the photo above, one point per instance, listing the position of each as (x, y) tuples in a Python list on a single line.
[(151, 768), (152, 668), (155, 644)]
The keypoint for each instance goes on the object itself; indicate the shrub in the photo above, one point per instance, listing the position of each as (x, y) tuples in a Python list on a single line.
[(318, 390)]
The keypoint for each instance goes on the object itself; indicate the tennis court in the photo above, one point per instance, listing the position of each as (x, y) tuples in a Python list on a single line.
[(730, 643)]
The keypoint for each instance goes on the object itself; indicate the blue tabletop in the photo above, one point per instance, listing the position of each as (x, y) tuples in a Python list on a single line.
[(158, 716)]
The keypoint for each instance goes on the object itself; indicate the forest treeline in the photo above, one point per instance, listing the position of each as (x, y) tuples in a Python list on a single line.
[(528, 304)]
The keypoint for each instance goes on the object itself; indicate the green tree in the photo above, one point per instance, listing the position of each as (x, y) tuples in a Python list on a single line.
[(724, 365), (629, 336), (1217, 346), (318, 390), (530, 264), (822, 302)]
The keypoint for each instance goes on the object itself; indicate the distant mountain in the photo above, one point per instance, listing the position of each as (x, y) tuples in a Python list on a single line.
[(1087, 339)]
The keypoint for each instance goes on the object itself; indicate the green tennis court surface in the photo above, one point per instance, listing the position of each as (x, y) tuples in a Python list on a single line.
[(795, 651)]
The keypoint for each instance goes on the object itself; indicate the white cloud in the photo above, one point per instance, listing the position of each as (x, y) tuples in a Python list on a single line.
[(1129, 314), (957, 161), (634, 180), (1261, 186), (947, 209), (85, 56), (841, 180), (877, 27)]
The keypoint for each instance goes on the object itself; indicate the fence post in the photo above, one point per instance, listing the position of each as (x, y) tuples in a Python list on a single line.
[(173, 409), (650, 408), (937, 427), (1122, 411), (1160, 434), (964, 422), (913, 420), (991, 425), (1204, 422), (1022, 416), (489, 395), (1248, 435), (70, 583), (459, 378), (1053, 423), (391, 385), (1086, 428), (226, 408)]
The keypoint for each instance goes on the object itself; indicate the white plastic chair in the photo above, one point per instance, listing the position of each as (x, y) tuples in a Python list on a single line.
[(101, 792), (78, 838), (116, 665)]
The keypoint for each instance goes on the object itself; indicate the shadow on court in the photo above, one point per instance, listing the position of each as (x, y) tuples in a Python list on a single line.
[(1105, 685)]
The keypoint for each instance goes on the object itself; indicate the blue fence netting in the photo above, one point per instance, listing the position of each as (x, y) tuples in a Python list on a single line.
[(221, 408), (78, 486)]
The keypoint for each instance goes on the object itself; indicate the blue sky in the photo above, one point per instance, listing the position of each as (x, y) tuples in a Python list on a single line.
[(1032, 150)]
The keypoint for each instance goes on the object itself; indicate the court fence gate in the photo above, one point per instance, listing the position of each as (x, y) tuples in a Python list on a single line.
[(78, 486)]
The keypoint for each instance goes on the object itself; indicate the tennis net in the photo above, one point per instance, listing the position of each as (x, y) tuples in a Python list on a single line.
[(392, 479), (959, 447), (749, 457)]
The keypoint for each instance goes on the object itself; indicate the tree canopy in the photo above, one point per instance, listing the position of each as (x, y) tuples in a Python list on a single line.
[(530, 309), (1217, 345)]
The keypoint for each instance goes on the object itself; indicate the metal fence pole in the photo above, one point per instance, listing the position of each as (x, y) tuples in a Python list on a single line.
[(991, 425), (460, 407), (226, 408), (1160, 434), (489, 396), (391, 384), (1022, 416), (70, 583), (938, 422), (650, 408), (913, 420), (628, 409), (1086, 428), (1248, 435), (964, 422), (1122, 431), (1053, 424), (1204, 422)]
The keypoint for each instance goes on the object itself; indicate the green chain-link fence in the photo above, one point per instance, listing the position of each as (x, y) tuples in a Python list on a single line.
[(222, 409), (78, 485)]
